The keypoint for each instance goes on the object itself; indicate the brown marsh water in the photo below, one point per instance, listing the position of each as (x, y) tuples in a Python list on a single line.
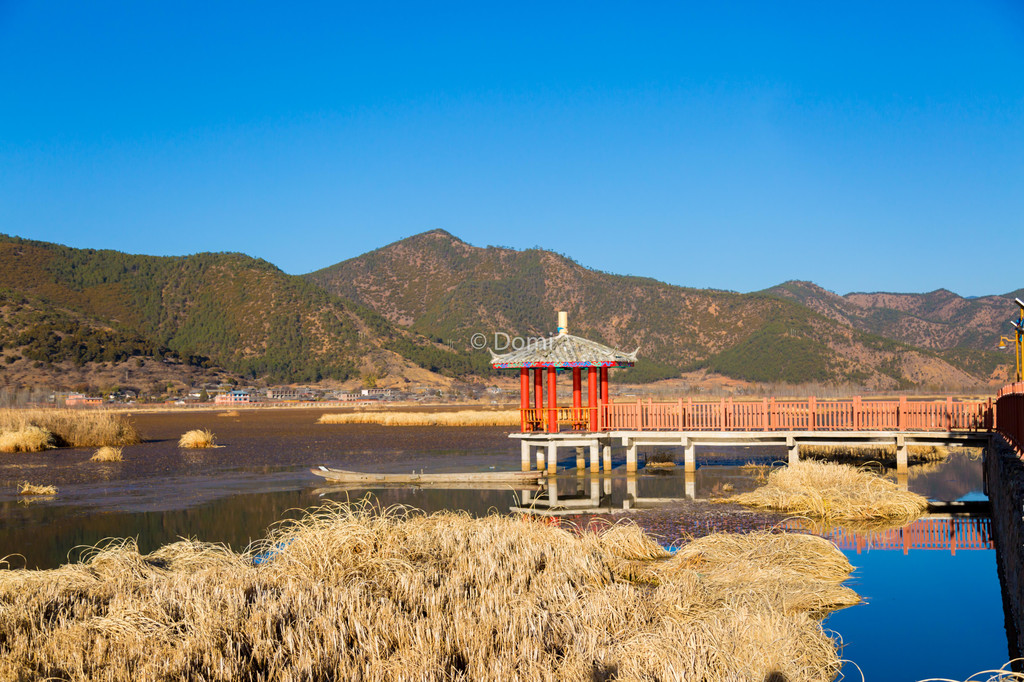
[(260, 474)]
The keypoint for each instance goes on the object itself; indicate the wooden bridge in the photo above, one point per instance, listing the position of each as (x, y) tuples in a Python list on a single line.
[(688, 423)]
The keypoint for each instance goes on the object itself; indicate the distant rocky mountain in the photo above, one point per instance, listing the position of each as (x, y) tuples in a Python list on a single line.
[(444, 288)]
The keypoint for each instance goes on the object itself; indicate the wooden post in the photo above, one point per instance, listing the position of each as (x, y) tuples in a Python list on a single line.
[(681, 421), (765, 414), (949, 413), (604, 385), (592, 397), (812, 414), (524, 397), (901, 413), (577, 395), (856, 413), (552, 402)]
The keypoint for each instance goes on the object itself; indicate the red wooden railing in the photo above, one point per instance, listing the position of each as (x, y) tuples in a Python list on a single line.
[(769, 414), (1010, 414), (950, 534)]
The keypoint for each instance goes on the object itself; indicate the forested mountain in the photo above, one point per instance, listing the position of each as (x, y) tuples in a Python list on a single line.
[(415, 305), (439, 286), (59, 303)]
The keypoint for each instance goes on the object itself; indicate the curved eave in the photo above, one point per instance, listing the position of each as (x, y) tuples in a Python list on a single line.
[(557, 365)]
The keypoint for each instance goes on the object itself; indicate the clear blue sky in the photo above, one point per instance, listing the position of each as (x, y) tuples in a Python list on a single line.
[(865, 146)]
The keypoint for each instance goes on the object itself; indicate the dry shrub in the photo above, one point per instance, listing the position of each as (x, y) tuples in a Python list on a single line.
[(197, 438), (878, 452), (26, 439), (827, 490), (74, 428), (33, 489), (458, 418), (351, 593), (107, 454), (230, 413)]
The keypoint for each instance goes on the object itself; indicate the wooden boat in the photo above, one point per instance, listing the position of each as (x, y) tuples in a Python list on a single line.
[(495, 477)]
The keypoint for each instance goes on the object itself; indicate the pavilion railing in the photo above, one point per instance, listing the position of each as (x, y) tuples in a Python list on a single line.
[(1010, 414), (769, 414)]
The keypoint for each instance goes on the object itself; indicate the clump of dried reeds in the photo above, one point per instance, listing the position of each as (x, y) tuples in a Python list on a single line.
[(351, 592), (878, 452), (458, 418), (33, 489), (230, 413), (828, 490), (197, 438), (27, 438), (107, 454), (73, 428)]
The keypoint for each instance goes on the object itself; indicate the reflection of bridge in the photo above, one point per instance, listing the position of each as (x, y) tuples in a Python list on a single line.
[(947, 533)]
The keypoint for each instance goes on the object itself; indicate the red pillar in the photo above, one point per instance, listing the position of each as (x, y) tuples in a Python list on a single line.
[(538, 394), (552, 401), (604, 394), (592, 397), (524, 396), (577, 394)]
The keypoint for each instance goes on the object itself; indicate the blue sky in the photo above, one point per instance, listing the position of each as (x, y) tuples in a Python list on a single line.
[(864, 146)]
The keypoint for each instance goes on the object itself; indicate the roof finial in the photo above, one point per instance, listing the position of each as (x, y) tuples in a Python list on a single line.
[(563, 322)]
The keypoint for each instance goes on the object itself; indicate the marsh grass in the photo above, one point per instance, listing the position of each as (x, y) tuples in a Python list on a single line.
[(107, 454), (197, 438), (33, 489), (458, 418), (27, 438), (880, 453), (357, 593), (230, 413), (827, 490), (70, 428)]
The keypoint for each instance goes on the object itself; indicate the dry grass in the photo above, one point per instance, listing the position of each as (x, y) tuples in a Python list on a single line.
[(72, 428), (197, 438), (459, 418), (230, 413), (354, 594), (26, 439), (107, 454), (826, 490), (33, 489), (881, 453)]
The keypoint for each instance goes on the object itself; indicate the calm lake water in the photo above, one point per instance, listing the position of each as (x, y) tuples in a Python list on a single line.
[(927, 612)]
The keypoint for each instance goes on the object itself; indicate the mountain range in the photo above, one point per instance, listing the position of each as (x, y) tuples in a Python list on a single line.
[(408, 311)]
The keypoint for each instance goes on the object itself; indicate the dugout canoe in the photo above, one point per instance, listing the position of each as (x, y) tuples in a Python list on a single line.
[(497, 477)]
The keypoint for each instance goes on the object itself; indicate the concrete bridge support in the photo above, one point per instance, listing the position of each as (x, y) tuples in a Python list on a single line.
[(595, 462), (631, 457), (552, 458), (524, 448), (901, 454), (581, 464), (794, 449), (690, 456), (607, 455)]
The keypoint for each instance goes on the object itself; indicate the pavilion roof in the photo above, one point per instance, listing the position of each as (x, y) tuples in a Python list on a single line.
[(563, 350)]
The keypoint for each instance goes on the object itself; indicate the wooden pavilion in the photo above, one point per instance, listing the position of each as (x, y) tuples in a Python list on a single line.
[(560, 352)]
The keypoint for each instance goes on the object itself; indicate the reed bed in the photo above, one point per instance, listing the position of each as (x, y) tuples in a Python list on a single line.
[(458, 418), (827, 490), (33, 489), (26, 439), (362, 594), (107, 454), (230, 413), (197, 438), (879, 452), (69, 428)]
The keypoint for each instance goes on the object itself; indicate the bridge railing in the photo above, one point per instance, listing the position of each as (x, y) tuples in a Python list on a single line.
[(769, 414), (1010, 414), (944, 534)]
